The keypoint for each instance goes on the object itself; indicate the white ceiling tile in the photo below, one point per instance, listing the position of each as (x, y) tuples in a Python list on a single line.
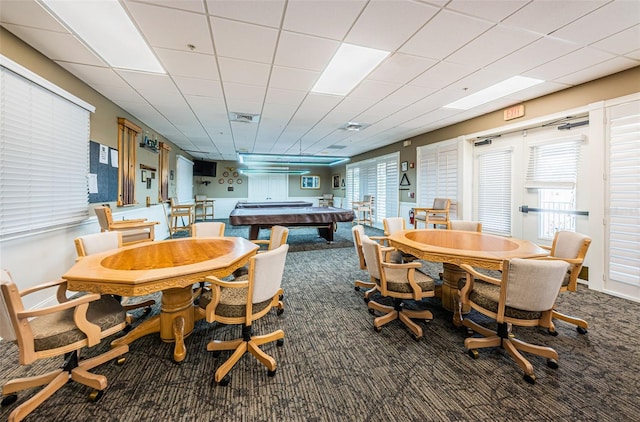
[(244, 41), (635, 54), (494, 44), (545, 17), (193, 65), (373, 90), (570, 63), (621, 43), (119, 94), (284, 96), (241, 92), (386, 26), (294, 79), (323, 18), (598, 71), (199, 87), (244, 107), (493, 10), (442, 75), (29, 14), (400, 68), (444, 34), (94, 74), (304, 51), (409, 94), (188, 5), (599, 24), (142, 81), (254, 11), (243, 72), (186, 27)]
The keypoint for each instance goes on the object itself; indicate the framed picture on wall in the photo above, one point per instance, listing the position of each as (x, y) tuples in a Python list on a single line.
[(404, 166), (335, 181), (309, 182)]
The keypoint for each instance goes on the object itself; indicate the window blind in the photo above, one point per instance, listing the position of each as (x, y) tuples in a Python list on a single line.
[(377, 177), (438, 174), (554, 163), (44, 161), (494, 191), (624, 194)]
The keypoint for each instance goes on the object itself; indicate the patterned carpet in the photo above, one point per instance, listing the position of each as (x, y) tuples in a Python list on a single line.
[(335, 367)]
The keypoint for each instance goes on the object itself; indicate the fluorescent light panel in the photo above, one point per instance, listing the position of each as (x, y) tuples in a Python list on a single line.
[(107, 29), (272, 170), (499, 90), (347, 68), (297, 160)]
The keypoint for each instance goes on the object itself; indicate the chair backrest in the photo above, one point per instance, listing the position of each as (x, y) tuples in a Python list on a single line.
[(105, 218), (570, 245), (372, 257), (532, 284), (278, 237), (201, 197), (9, 297), (393, 224), (441, 204), (327, 196), (98, 242), (174, 201), (357, 232), (208, 229), (465, 225), (266, 271)]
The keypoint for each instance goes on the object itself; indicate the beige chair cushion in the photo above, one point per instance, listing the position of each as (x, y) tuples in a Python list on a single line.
[(59, 329), (486, 295), (135, 235), (397, 281)]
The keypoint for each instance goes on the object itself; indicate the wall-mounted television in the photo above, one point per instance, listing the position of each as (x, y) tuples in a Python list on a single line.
[(204, 168)]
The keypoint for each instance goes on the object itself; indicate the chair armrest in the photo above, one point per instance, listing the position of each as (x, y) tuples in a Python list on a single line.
[(401, 266), (545, 247), (227, 284), (260, 241), (42, 286), (572, 261), (72, 303), (129, 224), (469, 269)]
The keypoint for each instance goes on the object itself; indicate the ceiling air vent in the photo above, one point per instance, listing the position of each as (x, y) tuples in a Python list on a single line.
[(354, 126), (244, 117)]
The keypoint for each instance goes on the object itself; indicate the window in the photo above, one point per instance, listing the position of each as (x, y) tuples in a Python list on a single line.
[(44, 153), (378, 177), (438, 174), (494, 191)]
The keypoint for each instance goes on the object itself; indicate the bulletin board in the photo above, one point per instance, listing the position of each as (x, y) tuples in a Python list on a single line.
[(106, 173)]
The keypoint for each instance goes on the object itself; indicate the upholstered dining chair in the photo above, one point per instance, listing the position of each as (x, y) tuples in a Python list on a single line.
[(62, 329), (208, 229), (242, 301), (105, 241), (524, 296), (133, 231), (572, 248), (357, 233), (180, 211), (392, 225), (277, 237), (438, 214), (399, 282), (465, 225)]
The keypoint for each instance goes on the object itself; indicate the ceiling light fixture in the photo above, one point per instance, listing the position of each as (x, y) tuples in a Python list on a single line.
[(292, 160), (272, 170), (106, 28), (499, 90), (350, 65)]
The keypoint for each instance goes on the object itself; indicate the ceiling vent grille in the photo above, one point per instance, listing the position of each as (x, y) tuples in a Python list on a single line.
[(244, 117), (354, 126)]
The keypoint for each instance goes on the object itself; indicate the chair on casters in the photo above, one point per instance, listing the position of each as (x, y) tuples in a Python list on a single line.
[(438, 214), (62, 329), (181, 211), (243, 301), (357, 233), (572, 248), (524, 296), (133, 231), (399, 282), (364, 210), (208, 229), (204, 206), (102, 242)]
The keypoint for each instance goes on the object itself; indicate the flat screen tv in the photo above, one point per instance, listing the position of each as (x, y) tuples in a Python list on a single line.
[(204, 168)]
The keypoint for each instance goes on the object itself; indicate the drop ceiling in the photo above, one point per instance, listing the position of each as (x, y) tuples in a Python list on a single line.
[(261, 58)]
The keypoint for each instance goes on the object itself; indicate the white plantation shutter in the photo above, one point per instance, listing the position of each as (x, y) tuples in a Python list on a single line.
[(494, 191), (624, 194), (438, 174), (44, 138), (377, 177), (553, 163)]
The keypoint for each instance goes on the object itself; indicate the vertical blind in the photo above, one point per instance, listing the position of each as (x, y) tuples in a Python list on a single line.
[(377, 177), (624, 194), (438, 174), (494, 191), (44, 151)]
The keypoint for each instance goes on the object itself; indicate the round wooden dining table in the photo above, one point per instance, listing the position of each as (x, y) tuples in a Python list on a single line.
[(170, 266)]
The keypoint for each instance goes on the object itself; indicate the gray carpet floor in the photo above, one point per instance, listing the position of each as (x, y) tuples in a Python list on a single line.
[(335, 367)]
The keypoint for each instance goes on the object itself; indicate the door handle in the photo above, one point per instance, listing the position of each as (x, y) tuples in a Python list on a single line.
[(525, 209)]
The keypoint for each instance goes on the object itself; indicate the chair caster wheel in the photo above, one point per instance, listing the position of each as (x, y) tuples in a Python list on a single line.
[(474, 353), (377, 329), (371, 311), (416, 337), (357, 288), (581, 330), (531, 379), (553, 333), (367, 300), (121, 360), (280, 342), (10, 399), (552, 363), (95, 395), (280, 312), (224, 381), (271, 373)]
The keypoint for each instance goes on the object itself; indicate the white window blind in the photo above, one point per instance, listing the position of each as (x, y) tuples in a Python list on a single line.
[(553, 163), (377, 177), (494, 191), (624, 194), (44, 144), (438, 174)]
